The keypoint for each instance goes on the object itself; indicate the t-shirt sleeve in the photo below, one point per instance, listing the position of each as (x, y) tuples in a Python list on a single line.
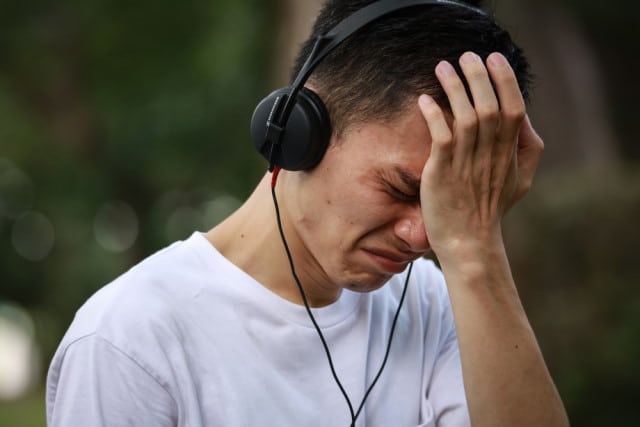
[(93, 383), (449, 402), (445, 392)]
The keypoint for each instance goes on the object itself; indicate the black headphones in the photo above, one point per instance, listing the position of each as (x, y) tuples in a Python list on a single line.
[(291, 126)]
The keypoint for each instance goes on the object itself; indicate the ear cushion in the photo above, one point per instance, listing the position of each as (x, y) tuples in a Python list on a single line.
[(306, 134)]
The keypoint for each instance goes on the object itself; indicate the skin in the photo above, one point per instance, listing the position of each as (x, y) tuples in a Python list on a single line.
[(351, 236), (478, 168), (360, 217)]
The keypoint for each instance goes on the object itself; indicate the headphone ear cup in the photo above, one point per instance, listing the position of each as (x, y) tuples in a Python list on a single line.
[(306, 133)]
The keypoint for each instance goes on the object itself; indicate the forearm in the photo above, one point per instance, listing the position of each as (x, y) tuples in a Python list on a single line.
[(506, 380)]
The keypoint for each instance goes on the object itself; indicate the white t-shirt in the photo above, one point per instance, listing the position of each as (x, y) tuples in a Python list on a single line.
[(186, 338)]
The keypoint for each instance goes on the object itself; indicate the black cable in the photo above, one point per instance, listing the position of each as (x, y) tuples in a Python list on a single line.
[(306, 305), (354, 416), (386, 355)]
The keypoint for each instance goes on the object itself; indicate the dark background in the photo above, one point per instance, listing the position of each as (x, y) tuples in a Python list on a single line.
[(124, 127)]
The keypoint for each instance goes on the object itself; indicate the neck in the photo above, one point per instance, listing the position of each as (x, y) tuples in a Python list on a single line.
[(250, 239)]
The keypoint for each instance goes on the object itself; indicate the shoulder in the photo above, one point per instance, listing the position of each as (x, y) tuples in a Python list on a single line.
[(144, 300), (131, 334), (98, 379), (133, 324)]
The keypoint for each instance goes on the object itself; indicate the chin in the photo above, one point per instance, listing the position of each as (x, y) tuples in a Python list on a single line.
[(368, 284)]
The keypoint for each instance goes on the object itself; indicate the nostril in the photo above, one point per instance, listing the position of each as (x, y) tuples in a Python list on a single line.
[(412, 233)]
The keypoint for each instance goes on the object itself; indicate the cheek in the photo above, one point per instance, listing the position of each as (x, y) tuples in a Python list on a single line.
[(336, 222)]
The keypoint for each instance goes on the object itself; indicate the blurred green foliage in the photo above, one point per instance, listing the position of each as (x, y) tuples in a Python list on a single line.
[(27, 412), (145, 103)]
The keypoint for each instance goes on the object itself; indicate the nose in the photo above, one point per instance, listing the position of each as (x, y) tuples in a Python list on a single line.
[(410, 229)]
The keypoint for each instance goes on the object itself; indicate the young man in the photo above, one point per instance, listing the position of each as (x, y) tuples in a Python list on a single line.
[(212, 331)]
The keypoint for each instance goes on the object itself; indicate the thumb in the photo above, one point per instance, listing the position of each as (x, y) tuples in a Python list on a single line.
[(529, 149)]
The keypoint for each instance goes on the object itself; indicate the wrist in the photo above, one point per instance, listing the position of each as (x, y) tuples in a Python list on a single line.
[(476, 259), (479, 247)]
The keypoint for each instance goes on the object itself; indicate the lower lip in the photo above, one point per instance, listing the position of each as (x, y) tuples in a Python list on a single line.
[(387, 264)]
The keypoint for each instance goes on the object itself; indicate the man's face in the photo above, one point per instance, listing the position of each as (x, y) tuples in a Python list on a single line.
[(357, 214)]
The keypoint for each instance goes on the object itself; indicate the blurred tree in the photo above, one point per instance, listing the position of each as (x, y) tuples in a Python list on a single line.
[(119, 114), (612, 29), (295, 21), (573, 246), (569, 106)]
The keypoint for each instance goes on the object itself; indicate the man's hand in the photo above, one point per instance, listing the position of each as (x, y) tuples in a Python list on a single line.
[(483, 162)]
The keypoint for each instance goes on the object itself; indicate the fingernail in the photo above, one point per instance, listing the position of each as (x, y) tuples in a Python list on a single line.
[(497, 60), (425, 100), (445, 69), (469, 57)]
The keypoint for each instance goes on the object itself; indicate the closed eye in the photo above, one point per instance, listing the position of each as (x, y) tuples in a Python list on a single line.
[(401, 195), (400, 184)]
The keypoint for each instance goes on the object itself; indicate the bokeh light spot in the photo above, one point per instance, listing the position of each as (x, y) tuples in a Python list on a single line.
[(183, 221), (16, 190), (19, 358), (219, 208), (33, 236), (116, 226)]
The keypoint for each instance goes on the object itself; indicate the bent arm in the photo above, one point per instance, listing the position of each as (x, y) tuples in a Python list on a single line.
[(483, 157), (506, 380)]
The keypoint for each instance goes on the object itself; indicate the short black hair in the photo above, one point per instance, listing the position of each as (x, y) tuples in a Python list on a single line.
[(375, 72)]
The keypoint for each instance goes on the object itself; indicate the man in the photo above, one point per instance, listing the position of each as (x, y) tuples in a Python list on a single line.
[(212, 331)]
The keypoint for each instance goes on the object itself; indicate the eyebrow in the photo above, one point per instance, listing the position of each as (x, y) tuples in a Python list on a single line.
[(408, 178)]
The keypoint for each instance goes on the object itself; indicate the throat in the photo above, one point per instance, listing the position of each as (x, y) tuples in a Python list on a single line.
[(253, 244), (264, 259)]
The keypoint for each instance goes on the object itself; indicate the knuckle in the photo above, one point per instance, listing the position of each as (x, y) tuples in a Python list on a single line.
[(504, 76), (454, 83), (487, 112), (475, 72), (515, 113), (442, 140), (468, 122)]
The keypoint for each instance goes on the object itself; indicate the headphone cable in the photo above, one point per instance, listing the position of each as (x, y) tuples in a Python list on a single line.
[(355, 415)]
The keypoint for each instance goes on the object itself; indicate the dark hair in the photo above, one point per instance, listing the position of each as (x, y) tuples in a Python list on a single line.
[(374, 73)]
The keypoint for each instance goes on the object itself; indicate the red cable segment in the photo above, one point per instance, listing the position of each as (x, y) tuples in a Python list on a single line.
[(274, 176)]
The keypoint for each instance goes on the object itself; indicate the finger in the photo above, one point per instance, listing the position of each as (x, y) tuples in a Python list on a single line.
[(441, 137), (485, 103), (465, 120), (530, 148), (512, 107), (477, 76)]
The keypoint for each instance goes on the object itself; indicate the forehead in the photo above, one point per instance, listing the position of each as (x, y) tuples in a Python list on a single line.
[(379, 152), (400, 140)]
